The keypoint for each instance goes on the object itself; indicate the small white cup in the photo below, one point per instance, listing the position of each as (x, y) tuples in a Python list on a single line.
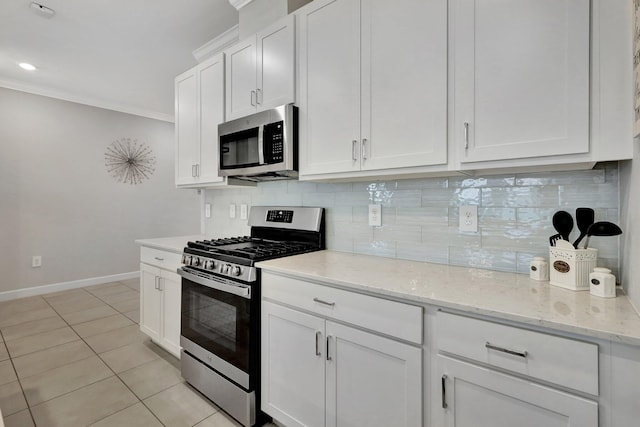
[(602, 283), (539, 269)]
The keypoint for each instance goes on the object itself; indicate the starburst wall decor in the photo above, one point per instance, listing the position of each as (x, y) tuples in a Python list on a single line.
[(129, 161)]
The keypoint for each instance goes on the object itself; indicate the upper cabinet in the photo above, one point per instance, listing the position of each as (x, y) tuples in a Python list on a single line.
[(520, 78), (199, 103), (372, 86), (260, 71)]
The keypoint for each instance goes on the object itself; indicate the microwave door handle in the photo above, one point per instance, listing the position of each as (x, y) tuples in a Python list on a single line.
[(261, 145)]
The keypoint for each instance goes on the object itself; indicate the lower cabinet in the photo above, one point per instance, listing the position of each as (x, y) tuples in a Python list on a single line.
[(316, 373), (160, 296), (473, 396)]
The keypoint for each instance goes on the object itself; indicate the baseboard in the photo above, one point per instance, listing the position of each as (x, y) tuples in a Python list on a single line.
[(63, 286)]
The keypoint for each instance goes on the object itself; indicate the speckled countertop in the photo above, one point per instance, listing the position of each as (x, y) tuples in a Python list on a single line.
[(501, 295), (171, 244)]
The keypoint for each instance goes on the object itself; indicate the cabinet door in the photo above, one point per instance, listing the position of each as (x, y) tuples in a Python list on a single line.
[(211, 76), (292, 366), (404, 83), (329, 34), (171, 290), (521, 78), (150, 301), (476, 396), (186, 127), (275, 65), (240, 72), (371, 380)]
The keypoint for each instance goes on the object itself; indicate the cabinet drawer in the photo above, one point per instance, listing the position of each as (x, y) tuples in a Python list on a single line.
[(392, 318), (163, 259), (558, 360)]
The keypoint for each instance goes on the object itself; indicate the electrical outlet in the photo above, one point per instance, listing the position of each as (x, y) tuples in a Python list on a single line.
[(36, 261), (243, 211), (207, 210), (232, 211), (468, 218), (375, 215)]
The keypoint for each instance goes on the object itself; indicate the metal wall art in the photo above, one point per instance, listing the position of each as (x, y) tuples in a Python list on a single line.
[(129, 161)]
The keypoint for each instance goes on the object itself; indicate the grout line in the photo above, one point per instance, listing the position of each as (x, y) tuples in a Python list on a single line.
[(24, 396)]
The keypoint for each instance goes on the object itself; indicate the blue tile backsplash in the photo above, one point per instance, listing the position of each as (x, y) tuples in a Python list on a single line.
[(420, 216)]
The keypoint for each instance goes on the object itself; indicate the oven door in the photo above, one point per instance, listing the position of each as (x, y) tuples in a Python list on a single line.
[(216, 324)]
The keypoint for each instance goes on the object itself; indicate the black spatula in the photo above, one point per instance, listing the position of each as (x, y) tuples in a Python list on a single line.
[(584, 218)]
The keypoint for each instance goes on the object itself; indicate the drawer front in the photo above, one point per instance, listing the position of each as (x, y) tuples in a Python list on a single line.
[(163, 259), (392, 318), (558, 360)]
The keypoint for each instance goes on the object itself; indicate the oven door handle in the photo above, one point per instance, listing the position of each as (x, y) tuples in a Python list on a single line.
[(243, 291)]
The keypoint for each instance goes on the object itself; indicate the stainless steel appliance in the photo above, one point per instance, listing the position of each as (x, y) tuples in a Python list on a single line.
[(220, 325), (262, 146)]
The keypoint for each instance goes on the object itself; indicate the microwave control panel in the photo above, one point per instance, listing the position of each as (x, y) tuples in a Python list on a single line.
[(273, 142)]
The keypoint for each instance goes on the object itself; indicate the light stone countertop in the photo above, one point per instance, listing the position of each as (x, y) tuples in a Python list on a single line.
[(171, 244), (507, 296)]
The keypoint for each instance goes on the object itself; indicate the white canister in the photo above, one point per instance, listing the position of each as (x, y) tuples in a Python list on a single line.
[(602, 283), (539, 269)]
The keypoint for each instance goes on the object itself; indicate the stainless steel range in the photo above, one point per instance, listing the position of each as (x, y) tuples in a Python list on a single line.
[(220, 325)]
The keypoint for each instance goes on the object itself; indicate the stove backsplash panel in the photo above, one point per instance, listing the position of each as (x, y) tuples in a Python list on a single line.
[(420, 216)]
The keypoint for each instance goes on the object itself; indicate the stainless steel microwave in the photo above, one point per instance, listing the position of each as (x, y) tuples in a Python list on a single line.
[(262, 146)]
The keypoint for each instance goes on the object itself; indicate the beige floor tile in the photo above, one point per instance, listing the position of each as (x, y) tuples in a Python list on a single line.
[(151, 378), (11, 398), (25, 316), (69, 297), (50, 358), (133, 284), (134, 416), (84, 406), (180, 406), (129, 356), (128, 305), (7, 373), (11, 307), (84, 303), (33, 327), (40, 341), (89, 314), (116, 338), (109, 289), (68, 293), (19, 419), (219, 419), (4, 354), (133, 315), (120, 296), (103, 325), (55, 382)]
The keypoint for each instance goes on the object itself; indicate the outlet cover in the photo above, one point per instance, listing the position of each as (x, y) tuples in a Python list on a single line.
[(36, 261), (207, 210), (243, 211), (232, 210), (469, 218), (375, 215)]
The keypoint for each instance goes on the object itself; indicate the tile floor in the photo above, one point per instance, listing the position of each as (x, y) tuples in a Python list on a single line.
[(78, 358)]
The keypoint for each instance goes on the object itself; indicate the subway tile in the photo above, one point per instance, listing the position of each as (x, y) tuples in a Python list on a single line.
[(483, 258), (520, 197), (422, 215), (338, 214), (377, 247), (586, 177), (301, 187), (352, 199), (425, 183), (495, 181), (423, 252), (340, 187), (318, 199), (594, 196), (439, 236), (398, 233), (341, 244), (514, 239), (438, 198), (353, 231)]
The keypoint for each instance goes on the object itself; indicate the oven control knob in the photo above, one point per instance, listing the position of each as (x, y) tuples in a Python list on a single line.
[(184, 259), (187, 260), (236, 271), (195, 261), (226, 269), (208, 265)]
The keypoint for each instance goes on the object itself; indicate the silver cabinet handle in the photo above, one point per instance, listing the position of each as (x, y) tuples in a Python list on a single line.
[(193, 171), (490, 346), (466, 135), (259, 96), (197, 170), (319, 301), (156, 286), (364, 148), (160, 286), (444, 392), (328, 341), (353, 149), (318, 337), (158, 258), (253, 97)]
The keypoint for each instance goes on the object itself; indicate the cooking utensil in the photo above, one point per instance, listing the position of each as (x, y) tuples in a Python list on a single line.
[(584, 218), (602, 228), (563, 244), (553, 240), (563, 223)]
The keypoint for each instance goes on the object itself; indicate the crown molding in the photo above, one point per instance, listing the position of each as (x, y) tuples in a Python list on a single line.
[(217, 44), (238, 4), (92, 102)]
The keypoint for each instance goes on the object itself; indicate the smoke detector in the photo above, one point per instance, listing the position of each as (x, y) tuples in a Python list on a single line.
[(42, 10)]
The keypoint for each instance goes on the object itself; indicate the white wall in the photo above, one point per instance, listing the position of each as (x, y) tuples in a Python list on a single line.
[(630, 215), (58, 201)]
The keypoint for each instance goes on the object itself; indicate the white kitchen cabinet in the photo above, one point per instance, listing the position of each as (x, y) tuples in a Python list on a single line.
[(473, 396), (520, 78), (317, 372), (260, 71), (373, 86), (199, 108), (160, 298)]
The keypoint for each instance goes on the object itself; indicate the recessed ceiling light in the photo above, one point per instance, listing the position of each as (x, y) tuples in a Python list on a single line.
[(27, 66)]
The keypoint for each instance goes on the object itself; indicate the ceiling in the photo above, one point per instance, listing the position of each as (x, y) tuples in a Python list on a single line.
[(116, 54)]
